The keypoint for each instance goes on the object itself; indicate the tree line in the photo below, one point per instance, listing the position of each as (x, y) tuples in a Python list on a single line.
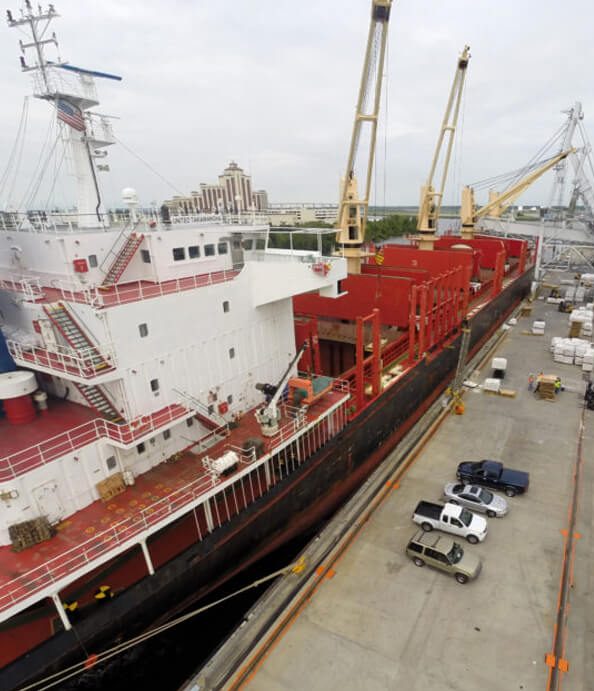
[(395, 225)]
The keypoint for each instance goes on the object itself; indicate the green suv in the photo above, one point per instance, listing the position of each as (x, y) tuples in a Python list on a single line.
[(443, 553)]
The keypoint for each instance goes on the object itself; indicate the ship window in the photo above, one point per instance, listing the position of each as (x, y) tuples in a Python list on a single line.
[(236, 243), (143, 330), (194, 252), (231, 353), (111, 462), (209, 250), (145, 256), (93, 261), (141, 448), (154, 385), (247, 243), (167, 434), (226, 306), (260, 244), (189, 422), (179, 253), (222, 248), (230, 399)]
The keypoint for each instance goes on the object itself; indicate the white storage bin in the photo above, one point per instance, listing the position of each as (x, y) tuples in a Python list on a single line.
[(492, 385)]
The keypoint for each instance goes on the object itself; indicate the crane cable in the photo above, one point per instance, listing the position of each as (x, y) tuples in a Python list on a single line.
[(518, 173), (42, 164), (511, 177), (130, 151), (456, 176), (386, 116), (16, 147), (384, 78), (81, 667)]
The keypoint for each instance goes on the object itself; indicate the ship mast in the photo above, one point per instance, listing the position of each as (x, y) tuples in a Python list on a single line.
[(353, 209), (71, 90)]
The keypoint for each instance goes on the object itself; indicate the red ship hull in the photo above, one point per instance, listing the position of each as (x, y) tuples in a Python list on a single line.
[(34, 642)]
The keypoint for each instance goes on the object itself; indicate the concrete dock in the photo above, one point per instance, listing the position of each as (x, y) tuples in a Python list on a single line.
[(374, 620)]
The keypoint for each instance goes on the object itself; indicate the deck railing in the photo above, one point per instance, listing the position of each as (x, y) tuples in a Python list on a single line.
[(161, 512), (141, 290), (17, 463), (30, 286), (86, 363)]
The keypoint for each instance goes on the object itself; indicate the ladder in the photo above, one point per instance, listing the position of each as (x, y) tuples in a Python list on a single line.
[(212, 421), (98, 400), (464, 345), (122, 259), (75, 336)]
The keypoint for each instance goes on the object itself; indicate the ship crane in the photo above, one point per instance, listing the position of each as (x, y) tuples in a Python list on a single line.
[(269, 415), (498, 203), (430, 204), (353, 208)]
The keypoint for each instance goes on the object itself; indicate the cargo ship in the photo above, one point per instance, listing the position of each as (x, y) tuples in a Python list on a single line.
[(181, 396)]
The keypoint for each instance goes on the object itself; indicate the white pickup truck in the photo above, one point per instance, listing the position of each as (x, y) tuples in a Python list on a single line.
[(451, 518)]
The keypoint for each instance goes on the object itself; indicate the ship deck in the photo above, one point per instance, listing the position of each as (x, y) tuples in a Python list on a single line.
[(20, 572), (60, 416), (121, 293), (369, 618)]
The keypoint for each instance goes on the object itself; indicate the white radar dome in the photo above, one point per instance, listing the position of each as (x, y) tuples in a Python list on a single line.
[(129, 195)]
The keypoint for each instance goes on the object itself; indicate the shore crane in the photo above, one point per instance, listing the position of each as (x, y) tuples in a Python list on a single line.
[(430, 204), (498, 203), (353, 208)]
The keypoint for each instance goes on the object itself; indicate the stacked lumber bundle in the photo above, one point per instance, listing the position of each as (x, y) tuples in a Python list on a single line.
[(28, 533), (545, 386), (111, 486)]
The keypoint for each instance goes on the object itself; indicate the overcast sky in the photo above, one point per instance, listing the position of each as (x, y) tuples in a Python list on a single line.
[(272, 84)]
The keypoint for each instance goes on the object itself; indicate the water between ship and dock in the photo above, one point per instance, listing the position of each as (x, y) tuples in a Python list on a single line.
[(169, 659), (166, 661), (370, 619)]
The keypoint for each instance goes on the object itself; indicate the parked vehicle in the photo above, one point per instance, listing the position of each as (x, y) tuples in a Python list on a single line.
[(450, 518), (493, 474), (443, 553), (475, 498)]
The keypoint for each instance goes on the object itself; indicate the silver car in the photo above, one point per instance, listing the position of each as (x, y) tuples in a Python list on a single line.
[(475, 498)]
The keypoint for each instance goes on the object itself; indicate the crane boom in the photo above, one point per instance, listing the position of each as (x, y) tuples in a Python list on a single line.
[(498, 203), (269, 415), (353, 209), (430, 204)]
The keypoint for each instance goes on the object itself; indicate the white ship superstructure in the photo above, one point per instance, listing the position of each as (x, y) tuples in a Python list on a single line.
[(176, 336), (144, 339)]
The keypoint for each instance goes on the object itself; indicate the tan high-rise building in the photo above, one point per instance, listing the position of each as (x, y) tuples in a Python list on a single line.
[(260, 200), (238, 188), (232, 195)]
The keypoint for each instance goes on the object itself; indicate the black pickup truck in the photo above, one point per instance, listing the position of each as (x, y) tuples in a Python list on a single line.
[(493, 474)]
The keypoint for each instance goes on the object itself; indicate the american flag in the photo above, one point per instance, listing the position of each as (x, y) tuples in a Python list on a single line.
[(70, 114)]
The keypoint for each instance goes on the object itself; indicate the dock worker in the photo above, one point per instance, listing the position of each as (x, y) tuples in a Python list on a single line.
[(557, 385), (531, 379), (103, 593)]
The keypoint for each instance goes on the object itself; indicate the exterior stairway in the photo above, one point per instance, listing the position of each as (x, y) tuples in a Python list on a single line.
[(122, 259), (98, 400), (75, 336), (210, 420)]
